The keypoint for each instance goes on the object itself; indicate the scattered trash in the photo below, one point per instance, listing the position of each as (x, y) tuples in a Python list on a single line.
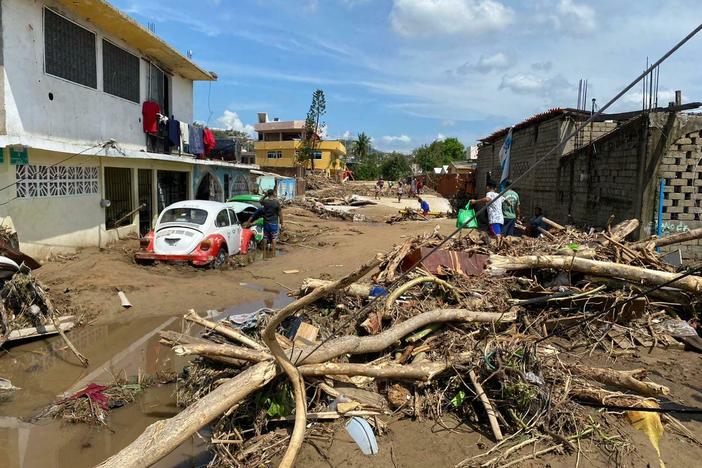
[(479, 329), (123, 299), (362, 433)]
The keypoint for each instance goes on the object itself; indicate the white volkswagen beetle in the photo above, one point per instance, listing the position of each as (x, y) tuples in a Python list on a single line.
[(197, 231)]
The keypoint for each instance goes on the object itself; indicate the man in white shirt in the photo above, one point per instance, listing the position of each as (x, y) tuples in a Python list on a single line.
[(495, 216)]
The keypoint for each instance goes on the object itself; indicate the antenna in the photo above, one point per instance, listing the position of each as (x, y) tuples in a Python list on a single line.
[(151, 26), (190, 54)]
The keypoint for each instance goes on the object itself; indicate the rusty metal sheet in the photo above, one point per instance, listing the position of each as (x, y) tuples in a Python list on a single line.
[(464, 263)]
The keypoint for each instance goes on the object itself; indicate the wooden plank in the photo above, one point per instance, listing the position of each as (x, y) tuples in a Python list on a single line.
[(31, 332)]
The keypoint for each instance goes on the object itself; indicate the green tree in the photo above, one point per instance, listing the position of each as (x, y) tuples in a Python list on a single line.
[(361, 147), (439, 153), (313, 127), (395, 166), (368, 167)]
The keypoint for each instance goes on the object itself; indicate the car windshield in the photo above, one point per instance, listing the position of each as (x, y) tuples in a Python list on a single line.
[(184, 215)]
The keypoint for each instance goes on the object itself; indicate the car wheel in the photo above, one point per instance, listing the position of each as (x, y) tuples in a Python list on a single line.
[(220, 259)]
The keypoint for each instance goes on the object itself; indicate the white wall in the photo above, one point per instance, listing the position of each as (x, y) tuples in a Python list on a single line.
[(76, 112)]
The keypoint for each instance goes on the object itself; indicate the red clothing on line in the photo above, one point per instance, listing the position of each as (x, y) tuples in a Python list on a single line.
[(149, 111), (208, 140)]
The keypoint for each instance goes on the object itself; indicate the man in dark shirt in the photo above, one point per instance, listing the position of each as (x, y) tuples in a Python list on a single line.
[(272, 215)]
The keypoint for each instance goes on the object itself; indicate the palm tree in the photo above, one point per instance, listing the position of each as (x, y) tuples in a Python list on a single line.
[(362, 146)]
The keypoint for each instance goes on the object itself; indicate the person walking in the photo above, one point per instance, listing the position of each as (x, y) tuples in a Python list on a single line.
[(400, 190), (272, 214), (495, 216), (510, 210)]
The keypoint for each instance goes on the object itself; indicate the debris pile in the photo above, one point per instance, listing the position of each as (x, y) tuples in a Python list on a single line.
[(92, 404), (490, 331)]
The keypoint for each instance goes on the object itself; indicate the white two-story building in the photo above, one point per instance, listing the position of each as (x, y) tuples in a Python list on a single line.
[(76, 164)]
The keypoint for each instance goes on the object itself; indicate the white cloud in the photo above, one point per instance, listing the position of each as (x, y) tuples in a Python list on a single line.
[(230, 121), (569, 17), (526, 83), (440, 137), (347, 135), (396, 139), (416, 18), (448, 123), (486, 64)]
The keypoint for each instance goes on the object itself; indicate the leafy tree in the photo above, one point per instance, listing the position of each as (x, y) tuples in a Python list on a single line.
[(439, 153), (368, 167), (395, 166), (313, 126), (361, 147)]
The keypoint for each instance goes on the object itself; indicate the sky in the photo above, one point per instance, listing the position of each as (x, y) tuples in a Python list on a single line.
[(408, 72)]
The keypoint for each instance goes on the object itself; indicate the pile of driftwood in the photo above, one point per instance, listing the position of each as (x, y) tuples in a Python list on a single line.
[(328, 211), (490, 331)]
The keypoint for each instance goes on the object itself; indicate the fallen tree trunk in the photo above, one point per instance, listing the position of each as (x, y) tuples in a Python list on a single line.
[(298, 434), (623, 379), (595, 267), (151, 446), (356, 289), (674, 239), (162, 437), (224, 330), (424, 371), (221, 350)]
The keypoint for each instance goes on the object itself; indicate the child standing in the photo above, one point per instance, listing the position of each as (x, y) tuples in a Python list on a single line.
[(495, 216)]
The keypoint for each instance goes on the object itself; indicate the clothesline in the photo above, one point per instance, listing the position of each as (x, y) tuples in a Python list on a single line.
[(189, 138)]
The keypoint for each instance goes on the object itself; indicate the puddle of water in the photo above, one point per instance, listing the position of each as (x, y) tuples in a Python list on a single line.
[(44, 369)]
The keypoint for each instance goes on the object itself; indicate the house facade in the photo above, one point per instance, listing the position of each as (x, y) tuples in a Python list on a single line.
[(279, 143), (615, 167), (77, 167)]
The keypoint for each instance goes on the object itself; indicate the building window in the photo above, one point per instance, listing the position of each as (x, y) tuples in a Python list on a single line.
[(275, 155), (56, 181), (158, 87), (118, 190), (317, 154), (69, 50), (120, 71)]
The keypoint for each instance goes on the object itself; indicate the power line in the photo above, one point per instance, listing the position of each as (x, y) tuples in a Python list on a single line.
[(558, 147)]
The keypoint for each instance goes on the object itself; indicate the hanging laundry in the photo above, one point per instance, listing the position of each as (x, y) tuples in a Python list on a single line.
[(149, 114), (173, 132), (209, 141), (197, 145), (184, 137)]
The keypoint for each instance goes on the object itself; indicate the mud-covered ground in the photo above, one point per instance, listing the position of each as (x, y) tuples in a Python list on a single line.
[(116, 339)]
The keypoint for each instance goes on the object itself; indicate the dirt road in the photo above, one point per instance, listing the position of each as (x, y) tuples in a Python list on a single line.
[(116, 339)]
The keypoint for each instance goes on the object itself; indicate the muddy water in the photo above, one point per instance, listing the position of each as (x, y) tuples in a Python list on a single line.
[(45, 369)]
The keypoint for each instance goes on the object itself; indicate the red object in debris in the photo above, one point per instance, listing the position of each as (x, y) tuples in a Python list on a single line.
[(149, 111), (439, 262), (94, 392)]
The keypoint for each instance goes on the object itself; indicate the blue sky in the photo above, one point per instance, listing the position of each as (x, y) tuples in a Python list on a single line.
[(409, 71)]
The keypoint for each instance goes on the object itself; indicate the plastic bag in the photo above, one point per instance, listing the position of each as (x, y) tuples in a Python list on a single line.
[(464, 214), (678, 328)]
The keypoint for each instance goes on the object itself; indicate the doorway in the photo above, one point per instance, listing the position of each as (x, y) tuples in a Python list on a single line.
[(210, 188), (146, 212)]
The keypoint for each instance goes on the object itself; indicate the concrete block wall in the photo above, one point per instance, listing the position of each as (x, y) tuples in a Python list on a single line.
[(681, 167), (600, 180), (540, 187)]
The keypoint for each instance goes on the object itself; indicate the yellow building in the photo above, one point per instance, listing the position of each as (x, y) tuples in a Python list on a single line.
[(278, 145)]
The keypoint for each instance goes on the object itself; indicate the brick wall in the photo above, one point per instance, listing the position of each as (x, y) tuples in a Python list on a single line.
[(681, 167)]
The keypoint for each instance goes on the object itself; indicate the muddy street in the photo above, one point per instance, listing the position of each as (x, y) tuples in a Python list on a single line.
[(126, 341)]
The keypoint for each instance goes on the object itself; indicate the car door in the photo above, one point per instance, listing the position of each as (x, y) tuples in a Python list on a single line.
[(223, 227), (236, 233)]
